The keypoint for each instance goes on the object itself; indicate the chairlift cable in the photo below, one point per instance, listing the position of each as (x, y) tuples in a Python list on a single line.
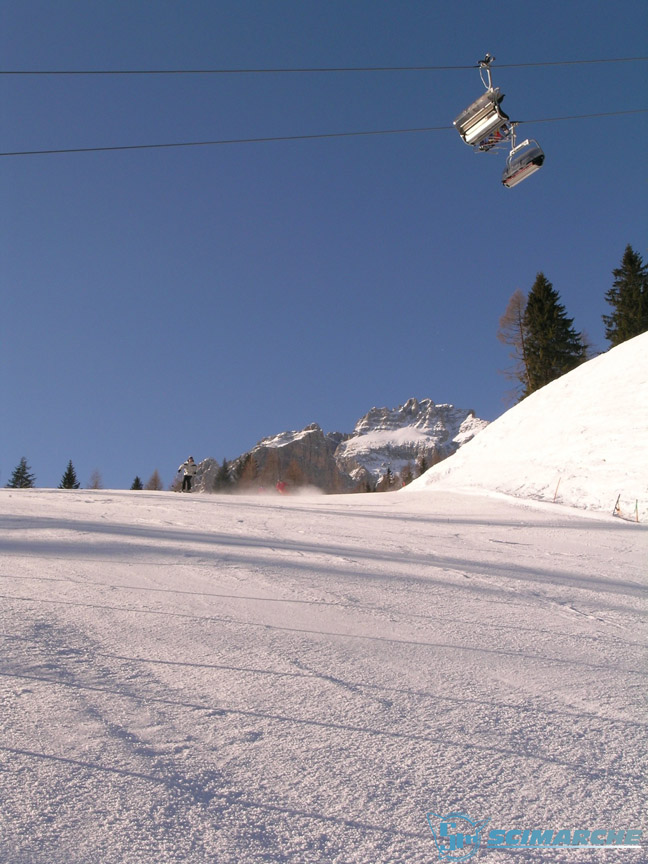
[(585, 116), (264, 140), (313, 69), (279, 138)]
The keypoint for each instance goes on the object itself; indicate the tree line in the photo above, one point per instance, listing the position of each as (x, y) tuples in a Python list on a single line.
[(237, 475), (544, 345), (22, 477), (544, 342), (245, 474)]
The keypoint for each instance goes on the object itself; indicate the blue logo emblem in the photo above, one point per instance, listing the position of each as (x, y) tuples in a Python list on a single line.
[(456, 836)]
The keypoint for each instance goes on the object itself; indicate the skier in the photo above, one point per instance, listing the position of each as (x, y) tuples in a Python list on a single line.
[(189, 468)]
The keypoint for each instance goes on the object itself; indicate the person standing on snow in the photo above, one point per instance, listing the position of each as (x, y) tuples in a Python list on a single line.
[(189, 468)]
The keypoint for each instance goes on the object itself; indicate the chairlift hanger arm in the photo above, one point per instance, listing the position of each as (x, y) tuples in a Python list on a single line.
[(485, 65)]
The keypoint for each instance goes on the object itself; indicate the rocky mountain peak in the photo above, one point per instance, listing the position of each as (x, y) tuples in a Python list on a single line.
[(384, 439)]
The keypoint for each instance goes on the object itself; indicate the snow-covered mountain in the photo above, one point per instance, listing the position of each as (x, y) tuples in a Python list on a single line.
[(581, 440), (394, 438), (299, 458), (383, 439)]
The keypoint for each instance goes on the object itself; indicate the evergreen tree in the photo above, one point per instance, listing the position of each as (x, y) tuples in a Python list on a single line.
[(22, 478), (552, 345), (137, 484), (69, 478), (223, 480), (422, 464), (386, 482), (629, 298)]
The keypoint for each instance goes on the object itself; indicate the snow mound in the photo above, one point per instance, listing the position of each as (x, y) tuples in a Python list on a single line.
[(581, 441)]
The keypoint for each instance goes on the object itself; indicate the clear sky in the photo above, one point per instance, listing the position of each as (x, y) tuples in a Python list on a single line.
[(158, 303)]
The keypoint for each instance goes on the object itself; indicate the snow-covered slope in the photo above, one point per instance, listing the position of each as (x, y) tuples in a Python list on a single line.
[(581, 440), (193, 679)]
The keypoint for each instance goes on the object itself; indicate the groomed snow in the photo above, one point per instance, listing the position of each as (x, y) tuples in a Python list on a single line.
[(581, 440), (224, 680), (232, 680)]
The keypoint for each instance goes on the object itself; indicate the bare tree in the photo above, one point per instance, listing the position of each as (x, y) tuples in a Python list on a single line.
[(246, 471), (95, 480), (512, 332), (154, 482), (407, 474)]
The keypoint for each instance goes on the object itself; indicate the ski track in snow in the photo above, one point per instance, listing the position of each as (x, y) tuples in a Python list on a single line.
[(259, 679)]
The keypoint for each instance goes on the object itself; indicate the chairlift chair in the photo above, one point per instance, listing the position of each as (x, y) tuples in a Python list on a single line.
[(483, 124), (523, 160)]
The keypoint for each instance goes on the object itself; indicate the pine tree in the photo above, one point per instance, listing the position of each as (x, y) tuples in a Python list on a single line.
[(22, 478), (137, 484), (222, 480), (69, 478), (629, 299), (552, 345), (422, 464), (386, 482)]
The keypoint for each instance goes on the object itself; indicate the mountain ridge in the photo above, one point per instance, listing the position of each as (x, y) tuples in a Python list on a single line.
[(384, 441)]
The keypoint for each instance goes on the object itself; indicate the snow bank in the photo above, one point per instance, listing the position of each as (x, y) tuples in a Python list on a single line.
[(581, 440)]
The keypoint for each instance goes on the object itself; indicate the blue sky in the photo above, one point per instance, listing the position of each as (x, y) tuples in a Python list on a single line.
[(161, 303)]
